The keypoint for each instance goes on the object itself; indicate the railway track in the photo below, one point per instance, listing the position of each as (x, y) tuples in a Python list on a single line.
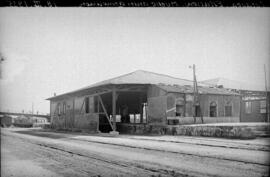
[(150, 171), (176, 152), (240, 146), (144, 167)]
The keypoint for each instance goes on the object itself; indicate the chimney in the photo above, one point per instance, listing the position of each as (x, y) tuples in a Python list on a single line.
[(54, 94)]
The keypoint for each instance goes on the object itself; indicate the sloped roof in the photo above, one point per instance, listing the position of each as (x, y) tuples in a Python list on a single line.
[(230, 84), (201, 90), (139, 77), (144, 77), (136, 77)]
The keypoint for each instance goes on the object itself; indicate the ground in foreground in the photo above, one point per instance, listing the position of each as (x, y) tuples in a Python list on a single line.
[(35, 152)]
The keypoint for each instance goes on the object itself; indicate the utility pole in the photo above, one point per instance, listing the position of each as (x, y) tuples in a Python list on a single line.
[(266, 99), (32, 108), (194, 93), (196, 96), (1, 69)]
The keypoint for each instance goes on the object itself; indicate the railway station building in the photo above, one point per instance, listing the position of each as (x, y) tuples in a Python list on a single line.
[(142, 102)]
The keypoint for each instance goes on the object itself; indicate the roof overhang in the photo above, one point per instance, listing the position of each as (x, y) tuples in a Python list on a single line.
[(98, 90)]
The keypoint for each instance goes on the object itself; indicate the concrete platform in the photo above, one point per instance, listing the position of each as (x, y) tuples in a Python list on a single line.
[(225, 130), (114, 133)]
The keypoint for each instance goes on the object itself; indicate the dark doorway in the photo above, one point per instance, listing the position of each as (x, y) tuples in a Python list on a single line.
[(104, 124), (197, 111)]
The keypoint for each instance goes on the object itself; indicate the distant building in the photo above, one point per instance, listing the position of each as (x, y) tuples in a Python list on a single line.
[(6, 120), (39, 119), (253, 99), (23, 121), (141, 102)]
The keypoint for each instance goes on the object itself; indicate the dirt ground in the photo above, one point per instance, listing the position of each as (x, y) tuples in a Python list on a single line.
[(35, 152)]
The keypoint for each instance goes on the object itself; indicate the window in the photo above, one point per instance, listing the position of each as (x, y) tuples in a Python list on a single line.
[(179, 107), (213, 109), (86, 106), (228, 109), (179, 110), (64, 108), (248, 107), (263, 106)]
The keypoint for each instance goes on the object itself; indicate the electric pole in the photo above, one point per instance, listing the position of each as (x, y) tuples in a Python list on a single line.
[(196, 99), (194, 94), (266, 98), (32, 108), (1, 61)]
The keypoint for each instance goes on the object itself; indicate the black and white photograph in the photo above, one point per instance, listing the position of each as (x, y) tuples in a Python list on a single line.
[(135, 91)]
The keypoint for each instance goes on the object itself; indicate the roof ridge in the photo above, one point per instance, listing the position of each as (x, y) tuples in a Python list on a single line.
[(218, 78), (113, 78), (164, 75), (215, 78)]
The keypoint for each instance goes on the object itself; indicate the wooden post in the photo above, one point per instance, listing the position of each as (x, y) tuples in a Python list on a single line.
[(114, 108), (73, 115), (51, 115), (32, 108), (141, 108), (105, 111), (98, 111), (98, 103), (185, 101)]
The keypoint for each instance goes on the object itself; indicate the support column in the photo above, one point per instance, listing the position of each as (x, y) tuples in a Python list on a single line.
[(114, 108), (141, 108), (98, 111), (185, 102), (73, 114)]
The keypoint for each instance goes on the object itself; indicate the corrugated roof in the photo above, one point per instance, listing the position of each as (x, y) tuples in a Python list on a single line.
[(138, 77), (202, 90), (227, 83)]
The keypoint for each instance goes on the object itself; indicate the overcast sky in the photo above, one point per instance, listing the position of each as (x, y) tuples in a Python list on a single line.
[(49, 50)]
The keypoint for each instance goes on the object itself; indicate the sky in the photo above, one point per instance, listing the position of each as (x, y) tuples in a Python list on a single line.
[(57, 50)]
